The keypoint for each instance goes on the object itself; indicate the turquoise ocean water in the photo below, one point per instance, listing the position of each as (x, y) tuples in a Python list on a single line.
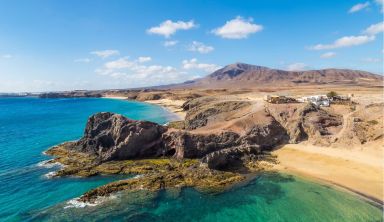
[(28, 126)]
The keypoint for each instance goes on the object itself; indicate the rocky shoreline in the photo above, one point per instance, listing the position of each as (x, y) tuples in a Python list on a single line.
[(113, 144), (218, 144)]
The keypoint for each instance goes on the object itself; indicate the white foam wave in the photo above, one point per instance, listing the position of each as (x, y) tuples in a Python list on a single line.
[(50, 175), (49, 164), (76, 203)]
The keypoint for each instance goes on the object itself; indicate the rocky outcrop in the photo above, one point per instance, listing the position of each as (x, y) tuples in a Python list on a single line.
[(184, 144), (148, 96), (266, 136), (192, 103), (201, 112), (363, 126), (111, 137), (168, 173), (187, 144), (231, 158), (306, 122), (227, 149), (115, 137)]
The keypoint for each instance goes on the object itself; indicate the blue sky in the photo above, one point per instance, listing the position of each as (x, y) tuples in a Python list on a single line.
[(97, 44)]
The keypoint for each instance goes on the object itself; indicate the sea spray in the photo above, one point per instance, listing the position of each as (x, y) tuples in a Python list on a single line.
[(49, 164), (50, 175), (77, 203)]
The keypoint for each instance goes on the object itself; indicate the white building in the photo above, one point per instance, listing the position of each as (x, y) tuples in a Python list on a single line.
[(318, 100)]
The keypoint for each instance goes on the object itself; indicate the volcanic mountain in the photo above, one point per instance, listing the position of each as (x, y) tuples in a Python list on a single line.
[(245, 75)]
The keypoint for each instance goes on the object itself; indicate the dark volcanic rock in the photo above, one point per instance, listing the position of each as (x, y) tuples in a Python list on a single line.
[(115, 137), (267, 136), (187, 145), (230, 158)]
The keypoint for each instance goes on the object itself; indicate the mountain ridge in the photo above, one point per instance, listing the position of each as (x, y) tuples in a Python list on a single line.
[(254, 75)]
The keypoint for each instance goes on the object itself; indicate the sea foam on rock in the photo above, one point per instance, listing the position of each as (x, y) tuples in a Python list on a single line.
[(49, 164)]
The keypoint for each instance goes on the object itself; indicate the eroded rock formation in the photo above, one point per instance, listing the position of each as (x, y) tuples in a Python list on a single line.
[(306, 122), (115, 137)]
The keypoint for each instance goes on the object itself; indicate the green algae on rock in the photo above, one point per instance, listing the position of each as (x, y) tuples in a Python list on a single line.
[(114, 144), (155, 174)]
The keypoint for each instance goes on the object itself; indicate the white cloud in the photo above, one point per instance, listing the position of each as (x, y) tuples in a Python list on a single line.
[(200, 47), (127, 72), (328, 55), (6, 56), (359, 7), (297, 67), (193, 64), (120, 63), (237, 28), (143, 59), (170, 43), (374, 29), (83, 60), (105, 53), (346, 41), (168, 27)]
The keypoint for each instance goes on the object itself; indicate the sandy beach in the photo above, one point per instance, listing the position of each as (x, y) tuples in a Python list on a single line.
[(353, 169), (171, 105), (114, 97)]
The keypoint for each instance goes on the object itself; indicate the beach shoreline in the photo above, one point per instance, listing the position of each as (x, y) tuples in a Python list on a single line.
[(173, 106), (114, 97), (357, 172)]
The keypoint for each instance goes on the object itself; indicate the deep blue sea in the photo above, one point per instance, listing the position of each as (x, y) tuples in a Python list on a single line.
[(28, 126)]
